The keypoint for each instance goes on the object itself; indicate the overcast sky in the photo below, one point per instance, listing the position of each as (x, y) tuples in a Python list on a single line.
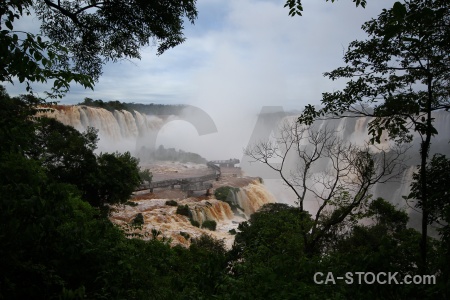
[(244, 52), (240, 56)]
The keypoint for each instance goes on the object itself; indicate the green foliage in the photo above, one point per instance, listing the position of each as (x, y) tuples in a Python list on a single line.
[(183, 210), (228, 194), (145, 175), (401, 71), (118, 175), (201, 269), (131, 203), (16, 125), (110, 105), (170, 154), (399, 76), (269, 259), (138, 220), (256, 233), (55, 245), (171, 203), (207, 242), (28, 57), (195, 223), (77, 38), (209, 224), (437, 179), (185, 235), (156, 109), (149, 109), (366, 247), (68, 156), (296, 7), (223, 192), (386, 215), (97, 32)]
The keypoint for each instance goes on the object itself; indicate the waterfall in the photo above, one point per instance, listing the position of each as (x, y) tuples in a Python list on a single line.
[(254, 195), (355, 131), (249, 198), (120, 130), (211, 210), (163, 218)]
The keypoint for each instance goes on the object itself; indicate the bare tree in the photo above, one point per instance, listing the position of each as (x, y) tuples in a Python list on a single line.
[(319, 166)]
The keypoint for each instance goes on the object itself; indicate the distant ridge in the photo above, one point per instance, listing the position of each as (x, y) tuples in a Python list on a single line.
[(148, 109)]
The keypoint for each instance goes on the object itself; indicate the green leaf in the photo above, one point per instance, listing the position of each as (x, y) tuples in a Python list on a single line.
[(391, 31), (9, 25), (37, 56), (433, 130), (399, 10)]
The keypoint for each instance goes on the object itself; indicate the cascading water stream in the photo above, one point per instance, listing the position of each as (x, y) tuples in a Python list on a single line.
[(120, 130)]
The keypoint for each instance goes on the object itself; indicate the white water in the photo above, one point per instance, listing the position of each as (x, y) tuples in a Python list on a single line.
[(159, 216), (126, 131), (117, 131)]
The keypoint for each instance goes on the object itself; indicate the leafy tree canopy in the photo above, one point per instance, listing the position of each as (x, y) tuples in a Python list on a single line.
[(399, 74), (98, 31), (296, 7), (118, 177), (78, 37), (438, 176), (29, 57)]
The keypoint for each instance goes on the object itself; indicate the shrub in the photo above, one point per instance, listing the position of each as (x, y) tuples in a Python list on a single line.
[(222, 192), (232, 231), (195, 223), (131, 203), (155, 233), (145, 175), (209, 224), (183, 210), (228, 194), (138, 220), (209, 244), (171, 203), (185, 235)]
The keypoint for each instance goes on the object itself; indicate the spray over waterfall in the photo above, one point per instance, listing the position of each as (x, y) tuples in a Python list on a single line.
[(355, 131), (130, 131), (120, 130)]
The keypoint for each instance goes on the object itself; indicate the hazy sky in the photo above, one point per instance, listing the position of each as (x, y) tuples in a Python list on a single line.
[(240, 52), (240, 56)]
